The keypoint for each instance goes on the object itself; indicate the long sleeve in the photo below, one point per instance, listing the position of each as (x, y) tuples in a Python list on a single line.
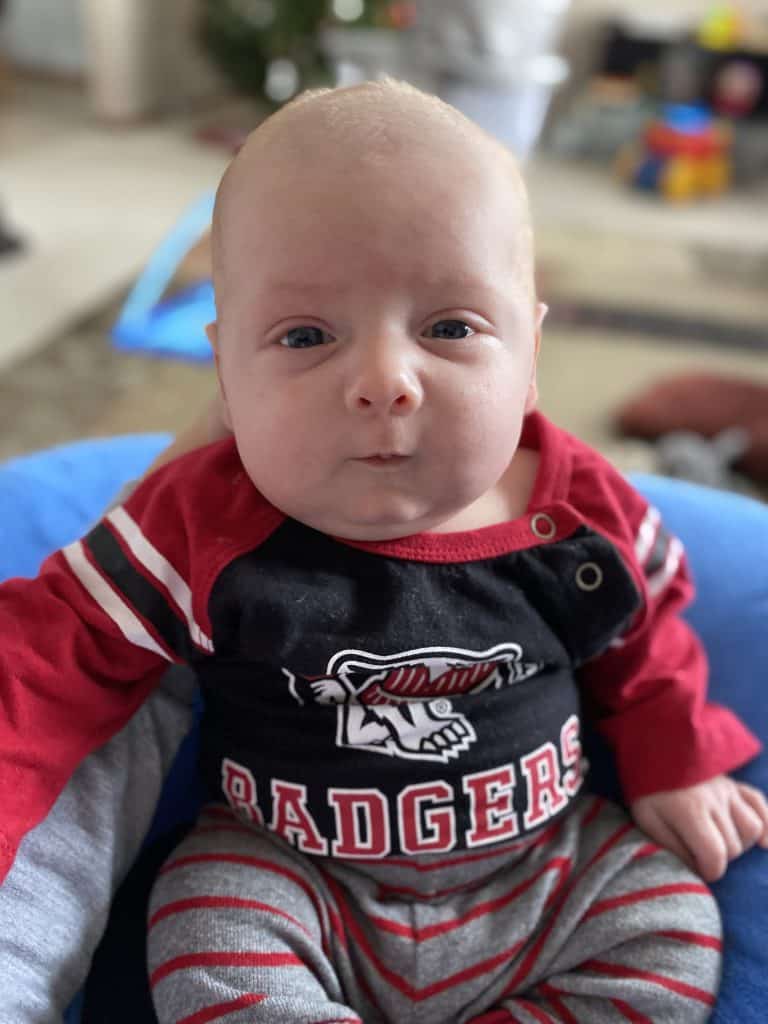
[(83, 644), (648, 691), (69, 678), (55, 900)]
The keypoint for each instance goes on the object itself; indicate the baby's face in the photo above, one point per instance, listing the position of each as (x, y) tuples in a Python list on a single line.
[(377, 339)]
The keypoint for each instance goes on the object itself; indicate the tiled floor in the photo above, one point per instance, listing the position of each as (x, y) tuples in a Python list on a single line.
[(94, 202)]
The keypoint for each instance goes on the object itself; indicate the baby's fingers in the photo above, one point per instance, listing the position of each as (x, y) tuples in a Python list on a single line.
[(757, 803), (657, 829), (709, 846), (739, 827), (702, 837), (748, 825)]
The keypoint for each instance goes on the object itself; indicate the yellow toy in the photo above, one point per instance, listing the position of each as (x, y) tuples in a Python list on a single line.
[(723, 28)]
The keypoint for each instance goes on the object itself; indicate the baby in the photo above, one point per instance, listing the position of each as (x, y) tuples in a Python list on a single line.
[(401, 587)]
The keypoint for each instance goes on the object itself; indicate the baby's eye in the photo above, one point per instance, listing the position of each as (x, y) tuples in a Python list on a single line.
[(305, 337), (450, 330)]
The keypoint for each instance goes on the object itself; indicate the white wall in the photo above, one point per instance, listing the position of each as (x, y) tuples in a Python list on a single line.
[(184, 71), (45, 35), (82, 36)]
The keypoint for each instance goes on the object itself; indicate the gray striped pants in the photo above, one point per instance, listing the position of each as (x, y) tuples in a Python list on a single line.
[(587, 922)]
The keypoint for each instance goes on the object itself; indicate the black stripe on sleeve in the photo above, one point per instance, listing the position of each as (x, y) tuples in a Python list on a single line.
[(657, 556), (151, 603)]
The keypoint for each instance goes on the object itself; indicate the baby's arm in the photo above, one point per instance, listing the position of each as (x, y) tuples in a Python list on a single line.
[(648, 694), (706, 825), (673, 747), (55, 900), (86, 642), (75, 663)]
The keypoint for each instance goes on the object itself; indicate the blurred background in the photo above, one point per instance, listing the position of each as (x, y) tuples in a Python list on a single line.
[(643, 128)]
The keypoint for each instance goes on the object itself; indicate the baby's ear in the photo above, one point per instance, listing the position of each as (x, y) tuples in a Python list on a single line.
[(212, 333), (532, 398), (533, 391)]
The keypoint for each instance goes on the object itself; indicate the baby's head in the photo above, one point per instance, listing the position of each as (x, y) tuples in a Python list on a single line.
[(377, 322)]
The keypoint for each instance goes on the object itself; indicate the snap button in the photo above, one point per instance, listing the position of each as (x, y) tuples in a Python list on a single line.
[(589, 576), (543, 526)]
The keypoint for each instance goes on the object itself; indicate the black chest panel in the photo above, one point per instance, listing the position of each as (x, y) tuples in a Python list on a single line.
[(350, 687)]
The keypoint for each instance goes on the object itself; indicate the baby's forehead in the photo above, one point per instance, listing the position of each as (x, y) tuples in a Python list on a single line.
[(321, 151), (373, 128)]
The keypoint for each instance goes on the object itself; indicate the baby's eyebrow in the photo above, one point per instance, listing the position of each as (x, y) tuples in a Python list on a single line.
[(306, 287), (461, 282), (466, 289)]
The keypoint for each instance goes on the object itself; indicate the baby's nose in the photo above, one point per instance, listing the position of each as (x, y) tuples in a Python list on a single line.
[(404, 401), (385, 384)]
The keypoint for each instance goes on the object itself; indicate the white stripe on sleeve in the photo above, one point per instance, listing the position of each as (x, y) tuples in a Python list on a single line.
[(646, 534), (110, 602), (158, 565), (661, 578)]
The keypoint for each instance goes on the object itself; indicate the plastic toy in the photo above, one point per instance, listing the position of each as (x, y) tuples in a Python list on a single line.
[(682, 154), (175, 325), (723, 27)]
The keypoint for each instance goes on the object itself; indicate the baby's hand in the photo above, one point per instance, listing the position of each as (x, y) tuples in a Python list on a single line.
[(706, 825)]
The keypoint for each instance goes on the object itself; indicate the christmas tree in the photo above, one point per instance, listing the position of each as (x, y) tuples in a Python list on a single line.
[(248, 39), (270, 49)]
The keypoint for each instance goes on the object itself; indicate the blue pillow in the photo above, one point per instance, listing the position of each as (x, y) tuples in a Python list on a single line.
[(50, 498), (726, 538)]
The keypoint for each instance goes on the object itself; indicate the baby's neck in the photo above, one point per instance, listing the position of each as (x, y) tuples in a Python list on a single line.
[(508, 500)]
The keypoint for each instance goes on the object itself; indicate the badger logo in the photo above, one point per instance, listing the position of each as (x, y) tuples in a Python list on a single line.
[(400, 704)]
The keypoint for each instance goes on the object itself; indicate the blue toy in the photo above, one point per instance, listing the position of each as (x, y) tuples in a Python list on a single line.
[(172, 326)]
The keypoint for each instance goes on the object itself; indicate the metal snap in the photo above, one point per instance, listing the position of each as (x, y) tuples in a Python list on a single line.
[(589, 576), (543, 526)]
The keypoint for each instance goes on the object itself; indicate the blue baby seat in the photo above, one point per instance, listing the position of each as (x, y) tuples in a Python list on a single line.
[(49, 498)]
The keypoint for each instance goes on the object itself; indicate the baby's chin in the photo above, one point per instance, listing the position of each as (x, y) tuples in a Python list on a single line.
[(368, 532), (373, 527), (371, 514)]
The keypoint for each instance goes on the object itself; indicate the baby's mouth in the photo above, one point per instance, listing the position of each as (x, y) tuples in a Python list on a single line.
[(385, 459)]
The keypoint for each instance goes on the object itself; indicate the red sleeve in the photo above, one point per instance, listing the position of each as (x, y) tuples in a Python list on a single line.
[(69, 679), (82, 645), (648, 691)]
